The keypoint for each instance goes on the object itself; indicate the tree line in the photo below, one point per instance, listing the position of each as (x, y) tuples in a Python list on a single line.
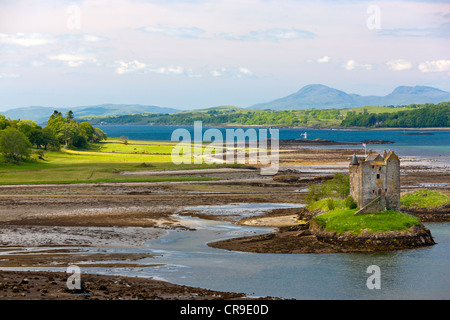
[(18, 137), (415, 115), (220, 117), (429, 115)]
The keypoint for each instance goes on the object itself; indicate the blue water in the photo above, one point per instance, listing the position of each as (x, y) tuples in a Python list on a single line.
[(435, 145), (186, 259), (411, 274)]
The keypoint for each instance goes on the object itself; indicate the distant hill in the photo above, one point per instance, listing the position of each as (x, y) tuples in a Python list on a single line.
[(41, 114), (322, 97)]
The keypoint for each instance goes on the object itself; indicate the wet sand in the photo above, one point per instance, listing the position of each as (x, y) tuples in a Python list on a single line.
[(128, 214)]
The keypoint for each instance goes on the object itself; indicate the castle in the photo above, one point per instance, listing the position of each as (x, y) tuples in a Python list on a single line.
[(375, 182)]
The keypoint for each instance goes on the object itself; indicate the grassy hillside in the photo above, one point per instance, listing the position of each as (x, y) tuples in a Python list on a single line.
[(102, 163)]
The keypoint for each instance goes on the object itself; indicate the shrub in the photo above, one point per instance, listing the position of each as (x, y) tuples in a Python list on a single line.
[(330, 204), (350, 203), (338, 187)]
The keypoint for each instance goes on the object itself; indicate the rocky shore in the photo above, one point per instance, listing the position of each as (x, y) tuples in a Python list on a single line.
[(311, 238), (44, 285), (437, 214)]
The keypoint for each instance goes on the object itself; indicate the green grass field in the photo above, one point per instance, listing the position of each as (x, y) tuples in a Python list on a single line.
[(344, 220), (101, 163), (424, 198)]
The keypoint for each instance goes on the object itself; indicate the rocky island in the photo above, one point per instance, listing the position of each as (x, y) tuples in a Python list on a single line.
[(366, 221)]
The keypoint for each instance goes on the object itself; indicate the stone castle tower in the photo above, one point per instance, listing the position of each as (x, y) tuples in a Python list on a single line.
[(375, 182)]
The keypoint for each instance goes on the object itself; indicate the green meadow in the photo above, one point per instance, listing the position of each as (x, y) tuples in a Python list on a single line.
[(424, 198), (344, 220), (103, 162)]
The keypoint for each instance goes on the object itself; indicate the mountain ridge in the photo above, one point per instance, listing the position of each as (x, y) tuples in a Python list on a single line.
[(324, 97), (40, 114)]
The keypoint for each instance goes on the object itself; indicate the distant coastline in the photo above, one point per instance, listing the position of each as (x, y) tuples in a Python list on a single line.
[(284, 127)]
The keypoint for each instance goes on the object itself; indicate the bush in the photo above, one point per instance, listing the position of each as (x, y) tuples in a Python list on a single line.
[(323, 204), (338, 187), (350, 203), (330, 204)]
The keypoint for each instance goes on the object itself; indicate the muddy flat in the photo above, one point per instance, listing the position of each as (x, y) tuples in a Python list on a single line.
[(82, 216)]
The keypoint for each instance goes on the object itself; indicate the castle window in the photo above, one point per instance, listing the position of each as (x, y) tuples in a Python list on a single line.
[(378, 176), (373, 167)]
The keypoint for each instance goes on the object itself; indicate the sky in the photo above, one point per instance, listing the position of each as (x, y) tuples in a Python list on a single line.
[(190, 54)]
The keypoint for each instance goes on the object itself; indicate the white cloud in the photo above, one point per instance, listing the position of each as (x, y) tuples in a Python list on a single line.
[(129, 67), (399, 64), (36, 63), (324, 59), (26, 40), (232, 72), (245, 71), (216, 73), (74, 60), (435, 66), (352, 64), (135, 66), (91, 38), (9, 75), (275, 35), (179, 32)]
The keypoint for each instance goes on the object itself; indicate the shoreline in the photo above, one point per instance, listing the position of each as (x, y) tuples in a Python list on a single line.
[(75, 209), (287, 127)]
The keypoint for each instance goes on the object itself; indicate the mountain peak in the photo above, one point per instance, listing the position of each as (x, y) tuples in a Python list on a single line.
[(416, 90), (311, 88), (324, 97)]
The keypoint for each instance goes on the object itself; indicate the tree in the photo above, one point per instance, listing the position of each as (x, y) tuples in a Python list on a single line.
[(99, 135), (14, 144), (49, 140), (55, 114), (36, 137), (70, 115), (65, 130), (4, 123), (88, 130)]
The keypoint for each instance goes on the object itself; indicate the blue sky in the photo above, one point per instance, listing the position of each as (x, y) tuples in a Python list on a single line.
[(198, 53)]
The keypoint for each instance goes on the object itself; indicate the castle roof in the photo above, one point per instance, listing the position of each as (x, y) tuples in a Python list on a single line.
[(374, 157), (354, 160), (390, 154)]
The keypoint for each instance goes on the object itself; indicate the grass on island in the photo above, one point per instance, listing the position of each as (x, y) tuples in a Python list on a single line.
[(341, 219), (344, 220), (103, 162), (424, 198), (324, 204)]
